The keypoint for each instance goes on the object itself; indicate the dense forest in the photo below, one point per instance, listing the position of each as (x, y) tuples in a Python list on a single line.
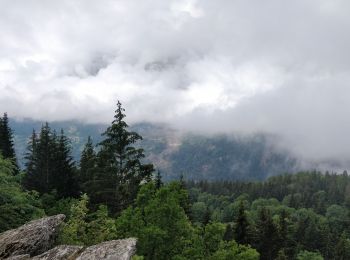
[(112, 192), (175, 152)]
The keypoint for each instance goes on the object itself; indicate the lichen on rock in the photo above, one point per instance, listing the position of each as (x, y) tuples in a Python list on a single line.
[(32, 238)]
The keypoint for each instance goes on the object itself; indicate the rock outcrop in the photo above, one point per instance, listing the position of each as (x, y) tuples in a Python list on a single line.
[(60, 253), (32, 238), (33, 241), (122, 249), (19, 257)]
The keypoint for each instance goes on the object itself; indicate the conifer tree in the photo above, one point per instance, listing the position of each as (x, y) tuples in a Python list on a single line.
[(342, 249), (119, 169), (158, 180), (267, 235), (242, 226), (45, 145), (63, 171), (229, 233), (206, 217), (88, 157), (49, 165), (6, 141), (31, 181), (283, 229)]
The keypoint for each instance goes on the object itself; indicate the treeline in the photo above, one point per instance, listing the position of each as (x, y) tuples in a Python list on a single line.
[(282, 215), (109, 173), (314, 189), (111, 193)]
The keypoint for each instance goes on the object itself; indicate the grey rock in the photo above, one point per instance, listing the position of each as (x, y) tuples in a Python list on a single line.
[(60, 253), (19, 257), (122, 249), (32, 238)]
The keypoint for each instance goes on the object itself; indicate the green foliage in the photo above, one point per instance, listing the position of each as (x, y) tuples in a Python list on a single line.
[(136, 257), (306, 255), (88, 161), (231, 250), (49, 165), (119, 170), (266, 235), (16, 205), (74, 231), (342, 249), (158, 180), (229, 233), (158, 220), (198, 212), (6, 142), (278, 223), (53, 205), (301, 216), (83, 228), (101, 227), (242, 226), (213, 235)]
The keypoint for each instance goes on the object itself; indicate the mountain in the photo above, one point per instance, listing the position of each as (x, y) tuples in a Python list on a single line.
[(214, 157)]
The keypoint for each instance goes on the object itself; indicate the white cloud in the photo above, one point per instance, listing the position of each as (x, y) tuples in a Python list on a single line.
[(273, 66)]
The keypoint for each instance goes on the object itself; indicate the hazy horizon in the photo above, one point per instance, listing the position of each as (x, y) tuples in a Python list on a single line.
[(280, 68)]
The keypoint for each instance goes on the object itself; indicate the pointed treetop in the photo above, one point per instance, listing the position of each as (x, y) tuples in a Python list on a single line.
[(119, 113)]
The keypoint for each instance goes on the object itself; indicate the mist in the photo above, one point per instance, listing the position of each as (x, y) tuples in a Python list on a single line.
[(225, 66)]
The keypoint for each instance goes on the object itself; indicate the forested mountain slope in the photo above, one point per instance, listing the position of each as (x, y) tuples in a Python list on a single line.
[(174, 153)]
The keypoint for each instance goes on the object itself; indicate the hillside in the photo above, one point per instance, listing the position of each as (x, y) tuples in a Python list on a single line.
[(219, 157)]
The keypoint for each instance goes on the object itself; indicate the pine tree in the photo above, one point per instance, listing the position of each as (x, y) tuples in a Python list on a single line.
[(30, 181), (119, 171), (87, 164), (49, 165), (64, 170), (41, 180), (88, 158), (342, 249), (229, 233), (158, 180), (6, 141), (267, 235), (206, 217), (242, 226)]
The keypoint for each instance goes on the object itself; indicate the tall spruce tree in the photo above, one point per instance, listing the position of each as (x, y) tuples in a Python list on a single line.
[(229, 233), (40, 159), (158, 180), (49, 165), (119, 171), (87, 162), (242, 226), (63, 172), (7, 149), (30, 180), (267, 235)]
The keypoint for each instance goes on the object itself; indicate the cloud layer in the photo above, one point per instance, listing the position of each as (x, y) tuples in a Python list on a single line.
[(274, 66)]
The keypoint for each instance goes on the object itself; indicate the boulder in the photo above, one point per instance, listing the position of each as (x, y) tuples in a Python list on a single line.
[(34, 240), (19, 257), (31, 239), (60, 253), (122, 249)]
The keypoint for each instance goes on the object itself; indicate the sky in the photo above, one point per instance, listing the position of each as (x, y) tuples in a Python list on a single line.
[(274, 66)]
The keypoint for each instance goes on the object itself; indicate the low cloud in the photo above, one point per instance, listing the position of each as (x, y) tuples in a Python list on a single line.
[(215, 66)]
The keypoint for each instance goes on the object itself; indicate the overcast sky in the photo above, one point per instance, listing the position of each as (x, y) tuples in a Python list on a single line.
[(275, 66)]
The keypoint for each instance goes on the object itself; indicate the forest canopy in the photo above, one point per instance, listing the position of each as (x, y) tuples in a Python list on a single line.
[(113, 193)]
